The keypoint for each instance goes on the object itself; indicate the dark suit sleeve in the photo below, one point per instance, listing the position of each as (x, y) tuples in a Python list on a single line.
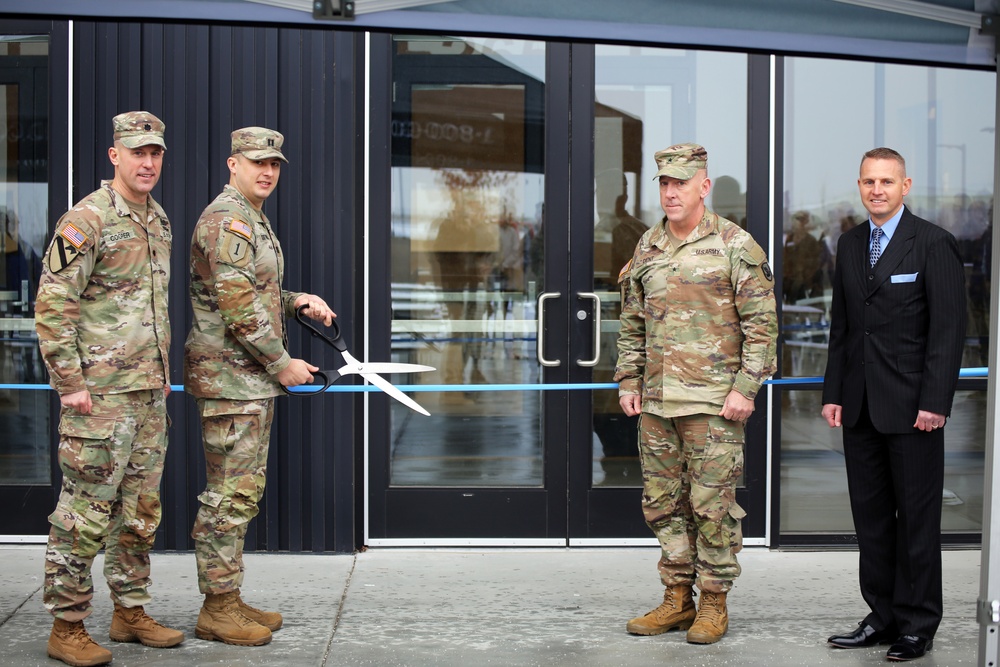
[(946, 331)]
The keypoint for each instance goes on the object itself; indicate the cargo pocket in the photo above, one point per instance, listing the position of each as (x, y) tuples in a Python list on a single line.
[(734, 526), (85, 448)]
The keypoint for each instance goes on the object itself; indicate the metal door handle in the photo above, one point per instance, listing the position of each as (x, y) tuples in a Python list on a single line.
[(597, 329), (540, 338)]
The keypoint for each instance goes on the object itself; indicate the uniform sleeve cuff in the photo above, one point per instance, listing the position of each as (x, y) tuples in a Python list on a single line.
[(630, 387), (281, 364), (746, 386)]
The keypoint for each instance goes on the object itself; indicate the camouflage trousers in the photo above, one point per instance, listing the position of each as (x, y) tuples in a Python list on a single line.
[(235, 435), (690, 467), (112, 462)]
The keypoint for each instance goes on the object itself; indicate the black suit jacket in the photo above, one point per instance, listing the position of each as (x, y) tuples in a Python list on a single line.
[(898, 329)]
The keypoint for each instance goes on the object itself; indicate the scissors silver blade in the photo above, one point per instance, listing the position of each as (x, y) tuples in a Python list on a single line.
[(387, 387), (366, 371), (384, 367)]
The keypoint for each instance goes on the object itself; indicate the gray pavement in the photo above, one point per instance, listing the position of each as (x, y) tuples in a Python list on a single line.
[(494, 607)]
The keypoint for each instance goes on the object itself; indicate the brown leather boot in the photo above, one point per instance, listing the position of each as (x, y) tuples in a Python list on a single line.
[(269, 619), (677, 611), (133, 624), (222, 620), (712, 621), (71, 643)]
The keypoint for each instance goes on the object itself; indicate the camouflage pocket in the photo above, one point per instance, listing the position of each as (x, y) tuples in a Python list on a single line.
[(85, 451), (735, 527)]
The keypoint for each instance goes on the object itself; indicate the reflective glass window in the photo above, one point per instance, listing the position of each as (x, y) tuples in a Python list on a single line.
[(942, 122)]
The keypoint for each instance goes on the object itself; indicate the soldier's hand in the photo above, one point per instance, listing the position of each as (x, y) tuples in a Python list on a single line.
[(631, 404), (78, 400), (316, 308), (166, 390), (737, 407), (297, 372)]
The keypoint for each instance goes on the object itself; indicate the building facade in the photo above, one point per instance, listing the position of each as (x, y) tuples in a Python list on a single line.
[(465, 199)]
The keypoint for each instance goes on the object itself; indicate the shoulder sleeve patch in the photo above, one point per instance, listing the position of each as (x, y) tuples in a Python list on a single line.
[(241, 228), (755, 257), (68, 243), (623, 274), (72, 233), (235, 250)]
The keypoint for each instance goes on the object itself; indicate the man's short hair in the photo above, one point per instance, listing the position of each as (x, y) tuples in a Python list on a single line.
[(883, 153)]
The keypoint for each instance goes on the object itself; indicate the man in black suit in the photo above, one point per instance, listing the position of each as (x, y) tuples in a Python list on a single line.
[(896, 337)]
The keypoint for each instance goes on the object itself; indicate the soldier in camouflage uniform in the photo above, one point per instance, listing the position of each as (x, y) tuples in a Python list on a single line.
[(101, 318), (697, 340), (235, 363)]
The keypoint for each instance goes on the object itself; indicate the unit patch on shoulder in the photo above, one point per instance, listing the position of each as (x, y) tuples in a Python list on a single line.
[(235, 250), (241, 228), (67, 244)]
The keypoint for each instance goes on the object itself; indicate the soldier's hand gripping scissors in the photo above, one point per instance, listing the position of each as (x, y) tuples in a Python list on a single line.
[(352, 366)]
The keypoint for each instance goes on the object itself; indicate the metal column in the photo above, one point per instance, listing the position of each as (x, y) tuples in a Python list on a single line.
[(988, 604)]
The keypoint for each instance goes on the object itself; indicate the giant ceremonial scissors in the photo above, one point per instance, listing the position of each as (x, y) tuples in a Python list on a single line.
[(352, 366)]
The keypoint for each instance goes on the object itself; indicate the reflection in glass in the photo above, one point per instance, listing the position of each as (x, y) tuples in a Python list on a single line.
[(467, 192), (24, 414), (814, 495), (942, 122), (648, 99)]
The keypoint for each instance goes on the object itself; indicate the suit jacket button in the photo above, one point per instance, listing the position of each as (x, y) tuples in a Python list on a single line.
[(871, 276), (867, 331), (868, 303)]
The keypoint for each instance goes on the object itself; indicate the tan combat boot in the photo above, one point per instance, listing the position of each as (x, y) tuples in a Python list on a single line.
[(71, 643), (712, 621), (221, 620), (133, 624), (269, 619), (677, 611)]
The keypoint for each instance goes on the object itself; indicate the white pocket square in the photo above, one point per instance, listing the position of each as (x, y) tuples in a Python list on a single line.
[(904, 278)]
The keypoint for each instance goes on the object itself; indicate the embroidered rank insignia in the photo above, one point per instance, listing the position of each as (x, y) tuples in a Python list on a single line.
[(72, 234), (241, 228)]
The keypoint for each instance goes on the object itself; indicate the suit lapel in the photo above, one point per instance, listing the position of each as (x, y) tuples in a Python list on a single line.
[(859, 254), (898, 248)]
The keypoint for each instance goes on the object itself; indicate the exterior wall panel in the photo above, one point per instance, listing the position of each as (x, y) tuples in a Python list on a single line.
[(205, 81)]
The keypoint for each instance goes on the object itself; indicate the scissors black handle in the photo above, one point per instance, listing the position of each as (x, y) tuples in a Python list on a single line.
[(326, 377), (336, 341)]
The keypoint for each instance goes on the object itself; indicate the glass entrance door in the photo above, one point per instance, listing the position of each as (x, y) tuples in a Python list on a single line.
[(517, 187), (26, 466)]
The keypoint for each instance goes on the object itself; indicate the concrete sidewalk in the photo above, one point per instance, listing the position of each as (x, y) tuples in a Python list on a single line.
[(494, 607)]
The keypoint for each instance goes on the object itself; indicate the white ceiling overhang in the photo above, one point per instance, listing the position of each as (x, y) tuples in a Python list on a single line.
[(932, 31)]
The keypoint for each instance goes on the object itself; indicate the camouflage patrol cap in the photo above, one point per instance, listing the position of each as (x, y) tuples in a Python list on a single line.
[(258, 143), (138, 128), (681, 161)]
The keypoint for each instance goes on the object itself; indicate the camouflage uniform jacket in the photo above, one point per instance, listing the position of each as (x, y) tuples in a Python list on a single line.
[(699, 320), (101, 311), (237, 341)]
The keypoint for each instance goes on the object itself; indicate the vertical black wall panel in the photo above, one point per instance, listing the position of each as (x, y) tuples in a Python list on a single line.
[(205, 81)]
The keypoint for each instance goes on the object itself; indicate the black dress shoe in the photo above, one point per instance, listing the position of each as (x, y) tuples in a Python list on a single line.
[(908, 647), (864, 636)]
